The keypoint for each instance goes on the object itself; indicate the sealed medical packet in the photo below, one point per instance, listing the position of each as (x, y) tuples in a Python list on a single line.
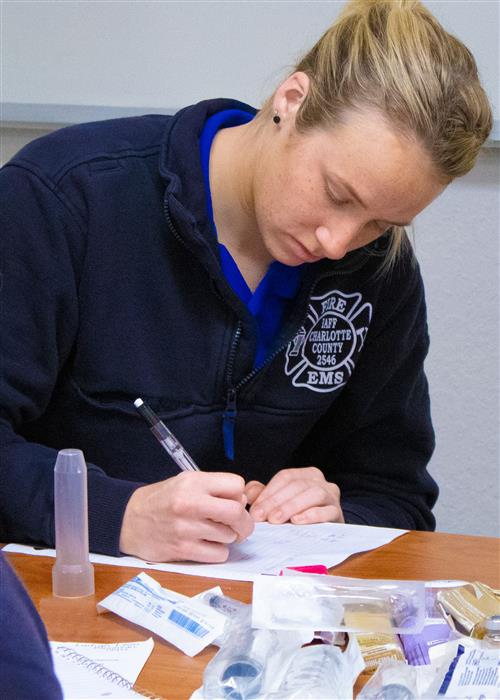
[(469, 605), (187, 623), (377, 648), (335, 603), (471, 674)]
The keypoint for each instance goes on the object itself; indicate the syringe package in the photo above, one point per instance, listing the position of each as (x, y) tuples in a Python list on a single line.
[(335, 603), (249, 661)]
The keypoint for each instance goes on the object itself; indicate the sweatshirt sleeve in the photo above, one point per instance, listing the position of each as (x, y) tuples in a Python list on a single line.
[(376, 441), (42, 240), (26, 667)]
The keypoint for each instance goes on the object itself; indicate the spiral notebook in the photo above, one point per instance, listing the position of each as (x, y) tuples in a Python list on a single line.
[(83, 678)]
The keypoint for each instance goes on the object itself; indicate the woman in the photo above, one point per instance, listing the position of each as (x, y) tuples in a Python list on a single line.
[(248, 276)]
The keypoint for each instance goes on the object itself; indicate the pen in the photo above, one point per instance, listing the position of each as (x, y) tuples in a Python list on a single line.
[(167, 439)]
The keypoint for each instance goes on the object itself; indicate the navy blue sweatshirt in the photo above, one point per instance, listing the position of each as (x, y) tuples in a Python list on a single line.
[(26, 668), (113, 289)]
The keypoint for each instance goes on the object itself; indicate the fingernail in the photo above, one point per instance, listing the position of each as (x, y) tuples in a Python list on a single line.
[(257, 514), (276, 517)]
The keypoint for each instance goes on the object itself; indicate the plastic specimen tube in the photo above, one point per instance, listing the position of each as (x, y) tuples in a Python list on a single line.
[(72, 574)]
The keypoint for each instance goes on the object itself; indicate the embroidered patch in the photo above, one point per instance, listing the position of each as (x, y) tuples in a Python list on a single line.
[(322, 355)]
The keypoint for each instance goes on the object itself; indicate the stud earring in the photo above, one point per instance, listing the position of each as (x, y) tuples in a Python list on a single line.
[(276, 118)]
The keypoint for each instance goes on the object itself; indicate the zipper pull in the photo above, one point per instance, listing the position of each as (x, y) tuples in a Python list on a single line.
[(228, 424)]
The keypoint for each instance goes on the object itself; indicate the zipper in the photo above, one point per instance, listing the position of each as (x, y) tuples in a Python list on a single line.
[(174, 231), (231, 410), (229, 415), (166, 214), (171, 225), (228, 424)]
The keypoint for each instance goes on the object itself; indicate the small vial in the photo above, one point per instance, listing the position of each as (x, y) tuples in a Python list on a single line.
[(491, 639), (72, 574)]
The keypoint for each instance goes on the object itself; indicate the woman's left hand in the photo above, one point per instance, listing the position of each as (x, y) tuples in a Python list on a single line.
[(301, 496)]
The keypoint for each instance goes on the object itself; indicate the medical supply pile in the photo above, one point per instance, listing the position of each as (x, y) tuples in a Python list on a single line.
[(311, 636)]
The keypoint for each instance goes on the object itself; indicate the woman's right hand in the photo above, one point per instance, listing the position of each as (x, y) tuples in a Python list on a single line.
[(193, 516)]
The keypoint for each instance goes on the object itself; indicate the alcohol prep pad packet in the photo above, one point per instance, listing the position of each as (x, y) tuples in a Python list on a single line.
[(335, 603), (187, 623)]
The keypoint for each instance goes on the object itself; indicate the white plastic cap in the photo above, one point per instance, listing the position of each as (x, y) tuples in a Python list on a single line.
[(72, 574)]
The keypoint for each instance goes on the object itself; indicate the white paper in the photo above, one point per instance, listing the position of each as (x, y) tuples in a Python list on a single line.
[(268, 550), (88, 671), (187, 623), (124, 658)]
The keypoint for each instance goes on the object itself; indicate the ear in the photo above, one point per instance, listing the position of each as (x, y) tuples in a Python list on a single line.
[(290, 94)]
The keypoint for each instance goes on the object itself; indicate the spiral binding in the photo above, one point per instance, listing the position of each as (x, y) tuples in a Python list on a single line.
[(103, 672)]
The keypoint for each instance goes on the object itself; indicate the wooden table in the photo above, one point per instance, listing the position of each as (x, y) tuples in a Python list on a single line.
[(174, 676)]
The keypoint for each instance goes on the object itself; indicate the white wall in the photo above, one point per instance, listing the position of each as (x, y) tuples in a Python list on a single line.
[(171, 53), (457, 244), (166, 54)]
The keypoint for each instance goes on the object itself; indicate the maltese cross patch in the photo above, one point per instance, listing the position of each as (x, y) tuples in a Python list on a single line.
[(322, 355)]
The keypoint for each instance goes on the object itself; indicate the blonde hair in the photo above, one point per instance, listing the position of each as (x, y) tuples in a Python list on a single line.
[(395, 57)]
